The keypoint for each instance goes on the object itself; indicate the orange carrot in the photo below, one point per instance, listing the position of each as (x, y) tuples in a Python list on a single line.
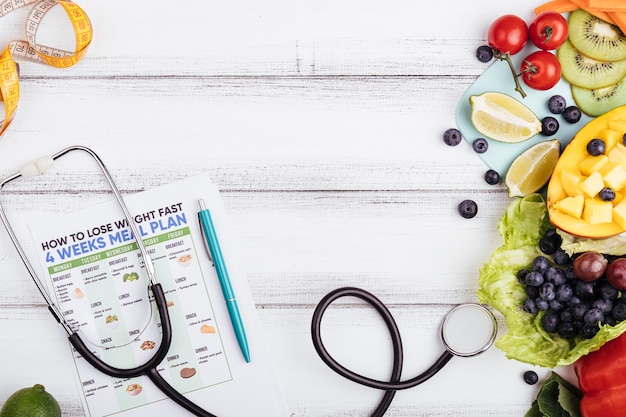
[(584, 4), (602, 15), (608, 5), (620, 19), (560, 6)]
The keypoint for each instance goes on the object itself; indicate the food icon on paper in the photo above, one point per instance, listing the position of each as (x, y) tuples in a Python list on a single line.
[(205, 328), (130, 277), (78, 293), (133, 389), (112, 321), (184, 260), (147, 345), (187, 372)]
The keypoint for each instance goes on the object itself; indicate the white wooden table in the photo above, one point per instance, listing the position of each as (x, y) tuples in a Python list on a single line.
[(321, 123)]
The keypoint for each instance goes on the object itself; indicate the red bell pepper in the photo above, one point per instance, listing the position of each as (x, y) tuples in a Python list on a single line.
[(602, 380)]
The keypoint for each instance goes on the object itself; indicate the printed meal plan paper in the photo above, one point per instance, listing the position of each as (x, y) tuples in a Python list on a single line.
[(97, 279)]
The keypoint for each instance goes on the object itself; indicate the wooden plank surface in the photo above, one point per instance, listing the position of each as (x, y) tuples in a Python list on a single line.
[(320, 121)]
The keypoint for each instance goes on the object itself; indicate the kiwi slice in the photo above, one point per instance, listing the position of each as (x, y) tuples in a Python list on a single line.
[(601, 100), (595, 37), (587, 72)]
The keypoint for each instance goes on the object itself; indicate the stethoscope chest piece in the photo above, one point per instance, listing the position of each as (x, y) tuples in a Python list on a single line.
[(468, 330)]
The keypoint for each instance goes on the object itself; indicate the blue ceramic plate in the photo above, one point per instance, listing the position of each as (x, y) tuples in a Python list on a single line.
[(498, 77)]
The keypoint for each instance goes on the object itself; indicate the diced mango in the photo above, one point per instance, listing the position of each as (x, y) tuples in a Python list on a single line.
[(571, 181), (597, 211), (619, 214), (617, 154), (610, 137), (592, 184), (572, 206), (618, 199), (592, 164), (614, 176), (617, 125)]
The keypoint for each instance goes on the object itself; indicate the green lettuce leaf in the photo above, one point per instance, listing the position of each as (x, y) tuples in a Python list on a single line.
[(614, 245), (521, 227)]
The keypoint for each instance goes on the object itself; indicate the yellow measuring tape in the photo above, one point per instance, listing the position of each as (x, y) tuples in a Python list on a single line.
[(28, 49)]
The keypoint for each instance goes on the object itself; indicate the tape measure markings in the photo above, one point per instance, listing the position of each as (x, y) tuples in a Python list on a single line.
[(29, 49)]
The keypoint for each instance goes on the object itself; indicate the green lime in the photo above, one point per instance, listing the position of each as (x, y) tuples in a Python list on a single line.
[(31, 402)]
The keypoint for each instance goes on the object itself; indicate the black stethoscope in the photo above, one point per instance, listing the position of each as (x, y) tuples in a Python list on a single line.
[(466, 330), (473, 317), (149, 368)]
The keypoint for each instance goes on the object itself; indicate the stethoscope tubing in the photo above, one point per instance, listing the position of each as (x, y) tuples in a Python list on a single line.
[(394, 384)]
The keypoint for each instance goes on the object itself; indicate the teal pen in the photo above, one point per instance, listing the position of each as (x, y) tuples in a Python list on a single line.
[(215, 253)]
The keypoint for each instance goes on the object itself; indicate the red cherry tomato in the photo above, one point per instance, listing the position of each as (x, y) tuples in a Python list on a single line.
[(508, 34), (541, 70), (548, 30)]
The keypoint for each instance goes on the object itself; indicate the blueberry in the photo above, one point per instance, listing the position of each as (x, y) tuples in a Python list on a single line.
[(567, 315), (607, 194), (572, 114), (564, 293), (605, 306), (547, 291), (492, 177), (596, 147), (534, 279), (619, 312), (584, 290), (610, 320), (589, 331), (550, 322), (579, 311), (593, 316), (521, 275), (484, 53), (556, 104), (556, 276), (452, 137), (624, 139), (561, 257), (532, 292), (468, 209), (530, 306), (531, 377), (573, 301), (567, 330), (557, 305), (540, 264), (480, 145), (542, 305), (549, 126), (549, 244), (607, 292)]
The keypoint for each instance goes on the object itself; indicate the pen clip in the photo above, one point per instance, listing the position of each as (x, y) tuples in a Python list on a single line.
[(206, 244)]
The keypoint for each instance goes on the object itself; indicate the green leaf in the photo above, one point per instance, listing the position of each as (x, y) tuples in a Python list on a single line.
[(534, 411), (557, 398)]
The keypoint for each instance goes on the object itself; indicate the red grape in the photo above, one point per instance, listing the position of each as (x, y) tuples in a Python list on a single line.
[(590, 266), (616, 273)]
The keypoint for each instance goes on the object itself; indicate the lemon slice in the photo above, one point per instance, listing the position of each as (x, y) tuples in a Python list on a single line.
[(532, 169), (501, 117)]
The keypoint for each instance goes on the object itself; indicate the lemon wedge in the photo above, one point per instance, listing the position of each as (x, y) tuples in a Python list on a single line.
[(501, 117), (532, 169)]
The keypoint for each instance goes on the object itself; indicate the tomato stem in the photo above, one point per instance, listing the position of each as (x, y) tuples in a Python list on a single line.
[(507, 57)]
